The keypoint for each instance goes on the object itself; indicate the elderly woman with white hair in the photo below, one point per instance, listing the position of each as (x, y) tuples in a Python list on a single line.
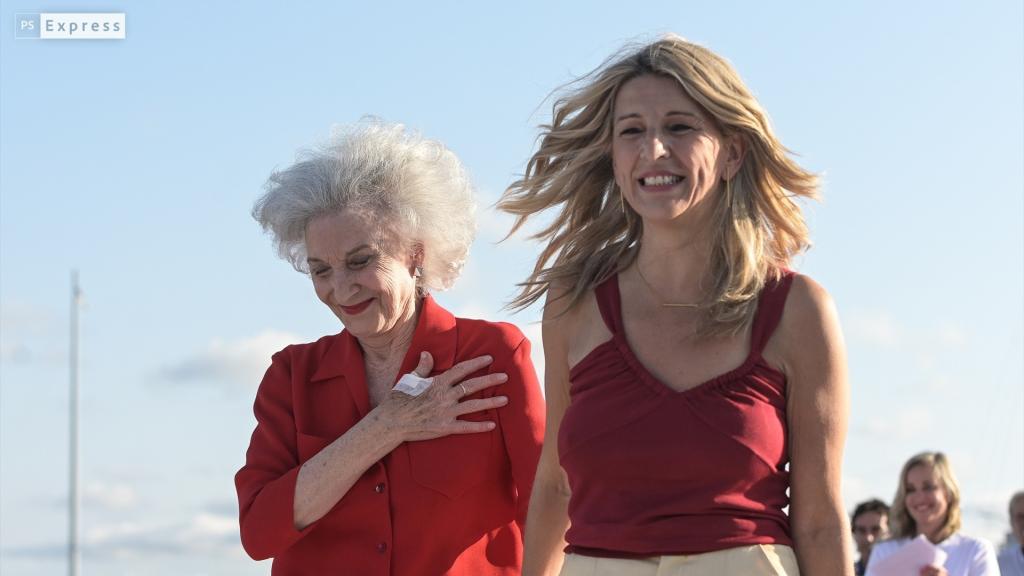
[(406, 444)]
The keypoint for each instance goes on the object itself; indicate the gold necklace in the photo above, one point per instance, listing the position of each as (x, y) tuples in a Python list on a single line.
[(658, 296)]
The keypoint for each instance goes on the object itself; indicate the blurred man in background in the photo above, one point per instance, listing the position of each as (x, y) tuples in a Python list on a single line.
[(1011, 558), (870, 523)]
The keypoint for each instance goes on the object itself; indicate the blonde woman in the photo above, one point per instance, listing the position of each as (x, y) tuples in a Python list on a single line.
[(691, 378), (927, 503)]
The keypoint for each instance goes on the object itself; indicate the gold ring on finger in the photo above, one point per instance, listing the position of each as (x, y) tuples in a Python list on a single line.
[(464, 391)]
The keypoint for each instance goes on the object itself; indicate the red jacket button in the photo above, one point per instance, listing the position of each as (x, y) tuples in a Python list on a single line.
[(379, 488), (382, 547)]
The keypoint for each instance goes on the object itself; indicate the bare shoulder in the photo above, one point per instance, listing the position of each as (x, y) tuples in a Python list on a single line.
[(578, 325), (809, 326), (558, 302), (807, 301), (809, 309), (557, 314), (563, 317)]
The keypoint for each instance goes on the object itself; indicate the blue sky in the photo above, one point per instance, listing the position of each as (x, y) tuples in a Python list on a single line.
[(137, 162)]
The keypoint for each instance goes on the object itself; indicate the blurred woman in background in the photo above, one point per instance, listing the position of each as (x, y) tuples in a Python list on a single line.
[(927, 503)]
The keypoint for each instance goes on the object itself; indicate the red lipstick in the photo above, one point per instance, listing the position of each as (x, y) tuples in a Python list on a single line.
[(356, 308)]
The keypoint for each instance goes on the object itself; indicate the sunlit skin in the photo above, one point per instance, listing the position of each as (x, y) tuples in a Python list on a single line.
[(868, 528), (355, 273), (669, 160), (667, 154)]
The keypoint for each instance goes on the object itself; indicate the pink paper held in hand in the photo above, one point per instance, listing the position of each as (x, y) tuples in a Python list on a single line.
[(909, 559)]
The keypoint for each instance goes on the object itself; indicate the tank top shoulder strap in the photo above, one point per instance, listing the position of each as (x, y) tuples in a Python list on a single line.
[(770, 304), (609, 303)]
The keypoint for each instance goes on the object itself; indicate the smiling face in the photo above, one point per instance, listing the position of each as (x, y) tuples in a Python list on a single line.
[(926, 499), (667, 154), (369, 287)]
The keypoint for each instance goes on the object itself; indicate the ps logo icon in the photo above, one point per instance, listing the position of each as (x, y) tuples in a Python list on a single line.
[(27, 25)]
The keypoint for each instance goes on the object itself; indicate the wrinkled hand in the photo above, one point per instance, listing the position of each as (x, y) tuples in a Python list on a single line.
[(933, 571), (434, 413)]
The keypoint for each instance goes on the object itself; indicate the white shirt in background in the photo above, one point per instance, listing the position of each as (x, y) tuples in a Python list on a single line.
[(967, 556)]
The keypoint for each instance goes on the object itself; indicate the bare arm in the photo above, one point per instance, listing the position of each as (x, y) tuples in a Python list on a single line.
[(809, 345), (326, 477), (548, 518)]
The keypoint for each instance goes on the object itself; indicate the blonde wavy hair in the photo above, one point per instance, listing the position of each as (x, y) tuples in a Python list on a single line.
[(756, 224), (900, 521)]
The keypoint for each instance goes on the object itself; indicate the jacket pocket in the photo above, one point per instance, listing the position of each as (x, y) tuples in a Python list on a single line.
[(452, 464)]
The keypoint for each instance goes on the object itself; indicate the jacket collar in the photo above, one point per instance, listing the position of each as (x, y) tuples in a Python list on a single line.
[(435, 333)]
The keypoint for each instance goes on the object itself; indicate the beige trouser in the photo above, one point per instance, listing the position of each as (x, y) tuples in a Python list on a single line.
[(757, 560)]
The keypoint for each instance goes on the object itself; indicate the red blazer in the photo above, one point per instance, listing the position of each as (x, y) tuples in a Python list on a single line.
[(454, 505)]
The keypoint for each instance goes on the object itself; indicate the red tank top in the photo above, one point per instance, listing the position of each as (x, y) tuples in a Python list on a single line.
[(656, 472)]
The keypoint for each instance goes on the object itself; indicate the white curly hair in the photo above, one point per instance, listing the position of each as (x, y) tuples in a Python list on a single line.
[(415, 187)]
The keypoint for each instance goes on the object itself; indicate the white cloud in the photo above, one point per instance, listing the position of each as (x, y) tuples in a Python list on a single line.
[(104, 534), (24, 317), (206, 525), (931, 368), (14, 352), (875, 327), (928, 350), (883, 329), (950, 336), (30, 334), (204, 534), (240, 362), (985, 514), (912, 422), (494, 225), (109, 496)]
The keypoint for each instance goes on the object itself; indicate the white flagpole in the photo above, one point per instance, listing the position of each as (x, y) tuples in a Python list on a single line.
[(73, 553)]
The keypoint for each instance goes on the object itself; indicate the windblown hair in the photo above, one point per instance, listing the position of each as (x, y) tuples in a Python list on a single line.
[(757, 227), (900, 521), (415, 188)]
